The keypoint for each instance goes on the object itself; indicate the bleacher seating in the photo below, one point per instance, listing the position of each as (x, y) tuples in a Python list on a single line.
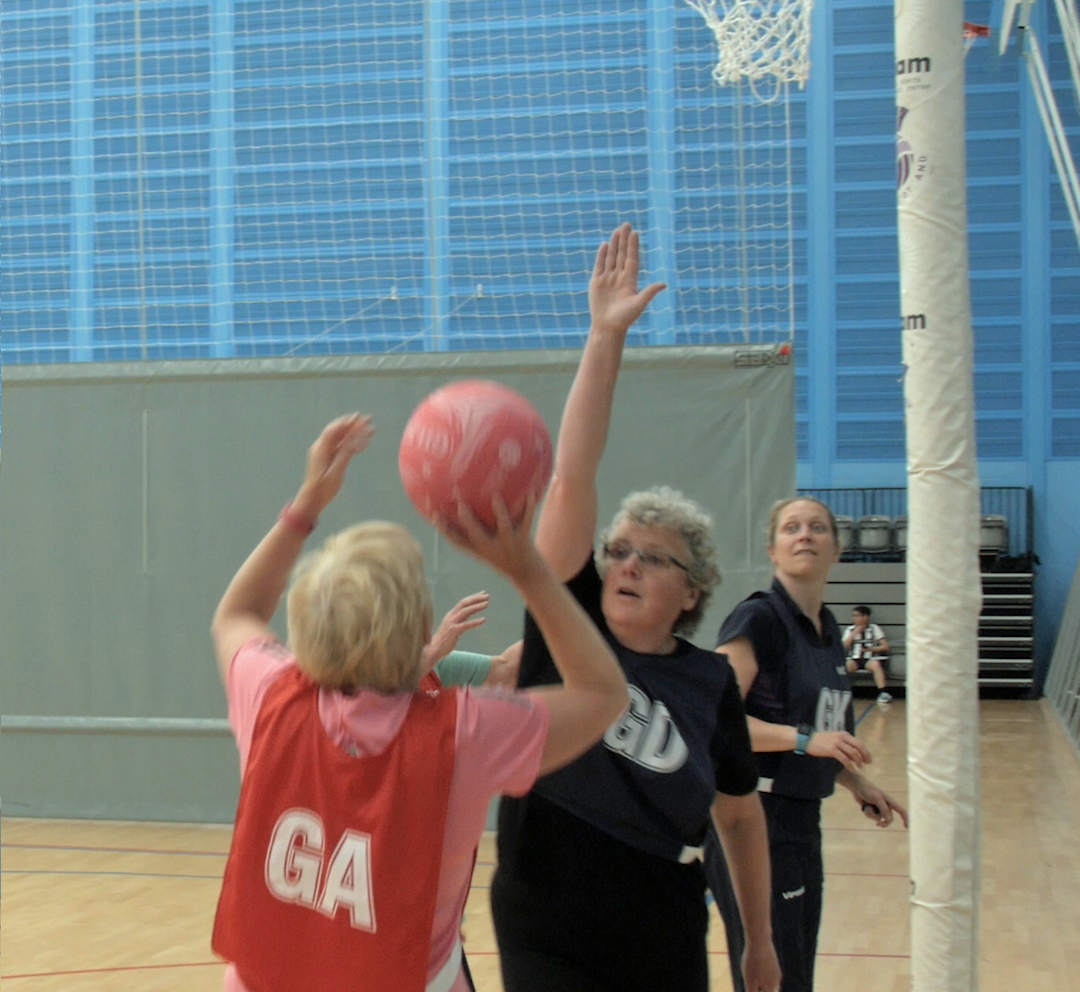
[(1006, 623), (872, 528), (873, 534), (993, 537), (875, 537), (900, 534), (845, 533)]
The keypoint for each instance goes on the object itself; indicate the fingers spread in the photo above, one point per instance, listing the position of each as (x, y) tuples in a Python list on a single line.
[(469, 606), (650, 292)]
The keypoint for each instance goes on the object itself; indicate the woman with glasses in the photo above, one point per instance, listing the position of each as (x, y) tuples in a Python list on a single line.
[(788, 655), (599, 885)]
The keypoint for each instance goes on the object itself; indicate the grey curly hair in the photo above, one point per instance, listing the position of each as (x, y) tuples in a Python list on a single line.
[(662, 506)]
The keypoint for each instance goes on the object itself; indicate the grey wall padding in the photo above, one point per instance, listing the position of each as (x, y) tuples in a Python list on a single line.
[(132, 493)]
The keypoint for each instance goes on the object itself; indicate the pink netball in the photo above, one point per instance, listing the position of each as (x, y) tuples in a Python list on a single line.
[(470, 440)]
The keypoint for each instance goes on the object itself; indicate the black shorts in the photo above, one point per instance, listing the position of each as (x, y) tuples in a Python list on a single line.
[(861, 663)]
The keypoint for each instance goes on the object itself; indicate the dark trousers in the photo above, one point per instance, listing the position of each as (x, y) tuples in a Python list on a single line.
[(559, 945), (797, 885)]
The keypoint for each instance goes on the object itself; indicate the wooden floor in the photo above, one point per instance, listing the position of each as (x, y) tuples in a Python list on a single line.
[(91, 906)]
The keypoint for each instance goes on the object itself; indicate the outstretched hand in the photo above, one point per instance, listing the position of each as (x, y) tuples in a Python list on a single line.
[(459, 618), (327, 460), (253, 594), (615, 301)]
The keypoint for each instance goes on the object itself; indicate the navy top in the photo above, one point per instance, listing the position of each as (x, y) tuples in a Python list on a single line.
[(801, 679), (651, 780)]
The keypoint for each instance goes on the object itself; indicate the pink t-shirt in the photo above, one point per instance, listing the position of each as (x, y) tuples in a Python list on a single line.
[(500, 738)]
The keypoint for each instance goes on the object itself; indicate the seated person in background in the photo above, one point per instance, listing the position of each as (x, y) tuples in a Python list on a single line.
[(867, 647)]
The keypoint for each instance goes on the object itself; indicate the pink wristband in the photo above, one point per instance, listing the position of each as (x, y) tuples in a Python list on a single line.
[(294, 521)]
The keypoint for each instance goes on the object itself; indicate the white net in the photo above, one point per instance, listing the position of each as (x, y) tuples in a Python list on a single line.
[(188, 179), (764, 42)]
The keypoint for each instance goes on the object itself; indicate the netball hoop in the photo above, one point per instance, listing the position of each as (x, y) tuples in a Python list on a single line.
[(764, 42), (972, 33)]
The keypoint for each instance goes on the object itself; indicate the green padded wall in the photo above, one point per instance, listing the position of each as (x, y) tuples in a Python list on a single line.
[(131, 493)]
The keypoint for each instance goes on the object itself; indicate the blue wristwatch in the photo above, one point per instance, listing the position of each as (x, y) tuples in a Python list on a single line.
[(803, 733)]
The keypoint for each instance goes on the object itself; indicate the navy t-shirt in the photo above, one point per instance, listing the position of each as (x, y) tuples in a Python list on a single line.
[(607, 830), (652, 778)]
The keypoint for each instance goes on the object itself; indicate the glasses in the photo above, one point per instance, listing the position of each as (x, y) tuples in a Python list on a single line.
[(621, 550)]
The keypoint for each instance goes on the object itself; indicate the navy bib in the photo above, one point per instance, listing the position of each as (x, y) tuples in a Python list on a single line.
[(818, 693)]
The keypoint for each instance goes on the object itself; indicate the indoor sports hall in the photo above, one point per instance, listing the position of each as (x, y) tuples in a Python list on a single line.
[(225, 222)]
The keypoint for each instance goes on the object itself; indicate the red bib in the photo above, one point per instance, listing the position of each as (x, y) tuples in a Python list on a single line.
[(430, 683), (333, 872)]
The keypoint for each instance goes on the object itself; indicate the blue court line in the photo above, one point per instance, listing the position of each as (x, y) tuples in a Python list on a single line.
[(865, 714)]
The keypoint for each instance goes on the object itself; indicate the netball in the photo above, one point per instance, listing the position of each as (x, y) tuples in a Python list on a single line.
[(468, 441)]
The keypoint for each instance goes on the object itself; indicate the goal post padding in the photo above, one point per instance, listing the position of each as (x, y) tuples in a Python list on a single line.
[(133, 492)]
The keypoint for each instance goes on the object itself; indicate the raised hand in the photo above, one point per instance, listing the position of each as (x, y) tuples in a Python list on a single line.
[(615, 301), (328, 458), (460, 618), (253, 594), (509, 549)]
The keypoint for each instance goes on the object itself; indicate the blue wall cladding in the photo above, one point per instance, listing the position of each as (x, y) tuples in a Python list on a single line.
[(207, 178), (191, 179), (1064, 277), (35, 182), (867, 344)]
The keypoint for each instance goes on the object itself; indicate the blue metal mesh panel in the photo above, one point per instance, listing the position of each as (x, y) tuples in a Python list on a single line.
[(194, 179)]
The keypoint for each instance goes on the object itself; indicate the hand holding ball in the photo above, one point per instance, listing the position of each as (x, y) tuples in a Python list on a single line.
[(468, 441)]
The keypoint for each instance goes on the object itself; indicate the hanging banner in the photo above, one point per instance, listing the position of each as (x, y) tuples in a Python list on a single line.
[(943, 580)]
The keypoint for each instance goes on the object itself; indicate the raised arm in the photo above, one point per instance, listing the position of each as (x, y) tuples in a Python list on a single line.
[(454, 667), (568, 519), (593, 693), (463, 616), (254, 592)]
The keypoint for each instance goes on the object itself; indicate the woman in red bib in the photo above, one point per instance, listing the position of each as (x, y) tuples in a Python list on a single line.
[(362, 795)]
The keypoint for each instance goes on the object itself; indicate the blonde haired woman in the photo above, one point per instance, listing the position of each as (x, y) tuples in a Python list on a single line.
[(362, 799)]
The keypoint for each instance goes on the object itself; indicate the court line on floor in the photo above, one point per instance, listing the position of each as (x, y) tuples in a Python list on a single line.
[(113, 850), (126, 874), (116, 970)]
